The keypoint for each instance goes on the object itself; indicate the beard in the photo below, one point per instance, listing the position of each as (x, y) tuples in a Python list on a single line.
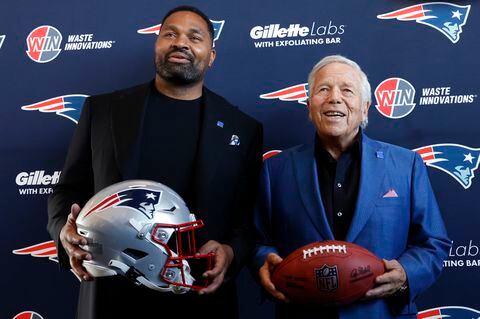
[(178, 73)]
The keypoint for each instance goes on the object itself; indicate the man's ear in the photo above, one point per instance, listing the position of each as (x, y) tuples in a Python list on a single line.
[(308, 107), (213, 54), (365, 110)]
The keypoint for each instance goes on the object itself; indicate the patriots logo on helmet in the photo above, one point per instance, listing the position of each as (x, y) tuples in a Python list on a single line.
[(28, 315), (452, 312), (68, 106), (298, 93), (47, 249), (445, 17), (217, 29), (456, 160), (140, 199)]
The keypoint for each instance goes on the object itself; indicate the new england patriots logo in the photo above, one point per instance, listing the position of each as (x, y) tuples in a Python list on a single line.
[(451, 312), (217, 29), (456, 160), (445, 17), (140, 199), (68, 106), (298, 93), (47, 249)]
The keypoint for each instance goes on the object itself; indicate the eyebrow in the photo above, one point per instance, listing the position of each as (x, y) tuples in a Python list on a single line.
[(191, 30), (343, 84)]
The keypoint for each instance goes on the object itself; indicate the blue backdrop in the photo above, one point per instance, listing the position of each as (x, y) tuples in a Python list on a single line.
[(421, 59)]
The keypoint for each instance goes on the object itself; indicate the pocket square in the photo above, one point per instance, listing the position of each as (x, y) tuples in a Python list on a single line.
[(391, 193)]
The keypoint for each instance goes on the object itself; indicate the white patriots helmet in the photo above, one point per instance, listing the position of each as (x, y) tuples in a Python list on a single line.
[(144, 231)]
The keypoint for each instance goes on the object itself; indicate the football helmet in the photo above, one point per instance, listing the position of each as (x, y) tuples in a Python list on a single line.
[(144, 231)]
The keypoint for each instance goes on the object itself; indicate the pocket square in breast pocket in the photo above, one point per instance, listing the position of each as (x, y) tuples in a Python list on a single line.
[(390, 194)]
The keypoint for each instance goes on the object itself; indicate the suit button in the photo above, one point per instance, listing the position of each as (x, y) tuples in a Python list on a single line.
[(339, 185), (339, 214)]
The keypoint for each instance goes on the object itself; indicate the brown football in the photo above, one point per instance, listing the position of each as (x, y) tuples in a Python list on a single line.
[(327, 273)]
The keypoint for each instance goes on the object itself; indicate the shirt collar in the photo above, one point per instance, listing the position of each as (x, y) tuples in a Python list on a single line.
[(322, 154)]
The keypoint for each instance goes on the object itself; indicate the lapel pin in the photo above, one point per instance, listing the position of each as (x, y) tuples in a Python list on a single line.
[(235, 140), (379, 154), (220, 124)]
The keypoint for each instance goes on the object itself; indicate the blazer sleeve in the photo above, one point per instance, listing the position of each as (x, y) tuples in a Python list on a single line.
[(241, 238), (428, 243), (262, 221), (76, 181)]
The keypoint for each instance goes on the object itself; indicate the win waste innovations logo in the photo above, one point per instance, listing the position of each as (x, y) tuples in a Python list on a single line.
[(44, 43), (395, 97)]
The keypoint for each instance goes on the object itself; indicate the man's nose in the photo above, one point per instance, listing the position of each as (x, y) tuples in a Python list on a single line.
[(335, 94), (180, 41)]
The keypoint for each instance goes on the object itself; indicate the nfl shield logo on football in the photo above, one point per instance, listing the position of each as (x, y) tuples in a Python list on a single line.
[(327, 278)]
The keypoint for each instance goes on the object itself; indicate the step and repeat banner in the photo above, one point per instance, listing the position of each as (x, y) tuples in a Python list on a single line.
[(422, 60)]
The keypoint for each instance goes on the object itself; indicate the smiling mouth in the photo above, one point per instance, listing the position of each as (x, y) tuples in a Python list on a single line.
[(334, 114), (179, 58)]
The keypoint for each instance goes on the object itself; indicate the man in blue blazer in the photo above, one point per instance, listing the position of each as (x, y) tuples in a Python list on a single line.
[(350, 187)]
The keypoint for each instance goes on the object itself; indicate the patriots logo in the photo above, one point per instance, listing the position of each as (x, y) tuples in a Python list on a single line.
[(68, 106), (456, 160), (47, 249), (445, 17), (217, 29), (298, 93), (140, 199), (452, 312)]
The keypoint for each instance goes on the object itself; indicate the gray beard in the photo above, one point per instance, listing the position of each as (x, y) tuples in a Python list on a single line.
[(183, 74)]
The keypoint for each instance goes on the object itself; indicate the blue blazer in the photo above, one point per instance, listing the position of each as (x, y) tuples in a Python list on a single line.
[(290, 213)]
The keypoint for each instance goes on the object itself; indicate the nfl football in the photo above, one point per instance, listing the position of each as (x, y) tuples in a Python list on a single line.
[(330, 273)]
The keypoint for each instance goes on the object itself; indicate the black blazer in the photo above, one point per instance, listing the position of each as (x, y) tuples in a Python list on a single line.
[(105, 149)]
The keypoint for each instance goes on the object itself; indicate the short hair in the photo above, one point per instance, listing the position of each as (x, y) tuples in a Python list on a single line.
[(365, 85), (197, 12)]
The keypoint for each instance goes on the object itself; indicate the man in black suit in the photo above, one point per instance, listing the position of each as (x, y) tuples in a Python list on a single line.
[(174, 131)]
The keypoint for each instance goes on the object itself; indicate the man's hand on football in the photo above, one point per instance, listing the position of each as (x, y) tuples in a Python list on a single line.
[(265, 274), (390, 282)]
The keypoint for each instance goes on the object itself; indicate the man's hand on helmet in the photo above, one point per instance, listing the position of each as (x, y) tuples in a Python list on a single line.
[(71, 240), (222, 260)]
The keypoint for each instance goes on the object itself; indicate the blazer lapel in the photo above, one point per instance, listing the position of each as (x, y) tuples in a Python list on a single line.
[(127, 121), (212, 137), (307, 182), (372, 173)]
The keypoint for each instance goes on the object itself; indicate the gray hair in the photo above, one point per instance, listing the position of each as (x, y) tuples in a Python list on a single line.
[(365, 85)]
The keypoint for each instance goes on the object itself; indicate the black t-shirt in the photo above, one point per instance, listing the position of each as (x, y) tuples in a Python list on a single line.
[(169, 140)]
